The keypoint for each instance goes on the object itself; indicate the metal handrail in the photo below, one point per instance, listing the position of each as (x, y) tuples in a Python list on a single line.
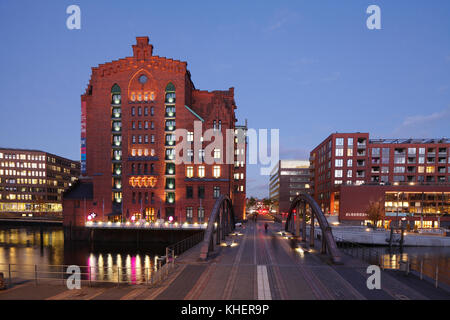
[(375, 257)]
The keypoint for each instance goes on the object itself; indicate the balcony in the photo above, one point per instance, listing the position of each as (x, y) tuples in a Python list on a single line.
[(361, 153)]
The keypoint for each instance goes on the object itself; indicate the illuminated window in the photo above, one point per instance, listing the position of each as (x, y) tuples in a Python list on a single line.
[(420, 169), (190, 136), (189, 172), (201, 214), (430, 169), (201, 171), (216, 153), (349, 152), (216, 171), (189, 214)]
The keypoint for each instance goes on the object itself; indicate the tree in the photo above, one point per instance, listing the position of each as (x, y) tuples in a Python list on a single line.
[(375, 212), (251, 202), (267, 202)]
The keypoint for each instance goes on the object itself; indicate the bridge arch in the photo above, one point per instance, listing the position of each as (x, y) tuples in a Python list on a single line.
[(220, 223), (300, 206)]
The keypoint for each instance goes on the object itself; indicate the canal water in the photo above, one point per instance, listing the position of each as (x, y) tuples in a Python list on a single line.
[(24, 252), (430, 260)]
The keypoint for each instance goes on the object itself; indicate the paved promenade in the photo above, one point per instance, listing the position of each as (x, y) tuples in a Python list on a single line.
[(262, 266)]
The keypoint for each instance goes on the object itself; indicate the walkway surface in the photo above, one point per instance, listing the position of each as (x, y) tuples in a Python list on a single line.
[(262, 266)]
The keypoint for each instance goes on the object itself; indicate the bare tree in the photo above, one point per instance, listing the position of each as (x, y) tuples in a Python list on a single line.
[(375, 212)]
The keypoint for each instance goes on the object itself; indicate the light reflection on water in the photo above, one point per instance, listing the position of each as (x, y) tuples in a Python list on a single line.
[(429, 257), (120, 262)]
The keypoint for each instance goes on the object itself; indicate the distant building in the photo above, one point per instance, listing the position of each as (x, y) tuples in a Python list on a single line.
[(410, 176), (32, 182), (288, 179), (130, 111)]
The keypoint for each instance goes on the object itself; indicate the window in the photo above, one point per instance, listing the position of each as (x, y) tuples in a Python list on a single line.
[(412, 151), (201, 192), (349, 173), (421, 150), (339, 141), (201, 155), (146, 125), (201, 171), (349, 163), (338, 163), (216, 171), (216, 192), (201, 215), (189, 171), (375, 152), (139, 125), (430, 169), (146, 111), (216, 153), (190, 136), (133, 111), (339, 152), (189, 192), (399, 169), (338, 173), (350, 141), (349, 152), (139, 111), (189, 214), (420, 169)]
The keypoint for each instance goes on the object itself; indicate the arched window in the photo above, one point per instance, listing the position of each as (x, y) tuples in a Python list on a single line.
[(115, 94), (170, 93)]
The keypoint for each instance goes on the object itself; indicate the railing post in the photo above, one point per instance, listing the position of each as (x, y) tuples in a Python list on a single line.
[(118, 275), (437, 276), (9, 275), (421, 269), (35, 275)]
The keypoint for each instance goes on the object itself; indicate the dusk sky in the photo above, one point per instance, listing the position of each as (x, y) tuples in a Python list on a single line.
[(308, 68)]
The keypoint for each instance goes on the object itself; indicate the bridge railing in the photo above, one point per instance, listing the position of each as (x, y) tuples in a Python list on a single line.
[(302, 206), (422, 267), (88, 275)]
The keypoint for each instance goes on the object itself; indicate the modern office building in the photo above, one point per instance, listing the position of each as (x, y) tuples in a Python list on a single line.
[(32, 182), (288, 179), (133, 111), (408, 168)]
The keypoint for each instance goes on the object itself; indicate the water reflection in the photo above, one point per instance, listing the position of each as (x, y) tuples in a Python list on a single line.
[(24, 247)]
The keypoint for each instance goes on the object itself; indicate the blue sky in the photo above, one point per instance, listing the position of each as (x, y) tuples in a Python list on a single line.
[(308, 68)]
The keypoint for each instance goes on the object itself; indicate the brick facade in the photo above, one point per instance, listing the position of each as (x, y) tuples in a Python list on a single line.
[(129, 113)]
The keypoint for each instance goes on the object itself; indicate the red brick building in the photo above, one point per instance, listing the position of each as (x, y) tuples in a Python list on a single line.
[(352, 159), (130, 112)]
